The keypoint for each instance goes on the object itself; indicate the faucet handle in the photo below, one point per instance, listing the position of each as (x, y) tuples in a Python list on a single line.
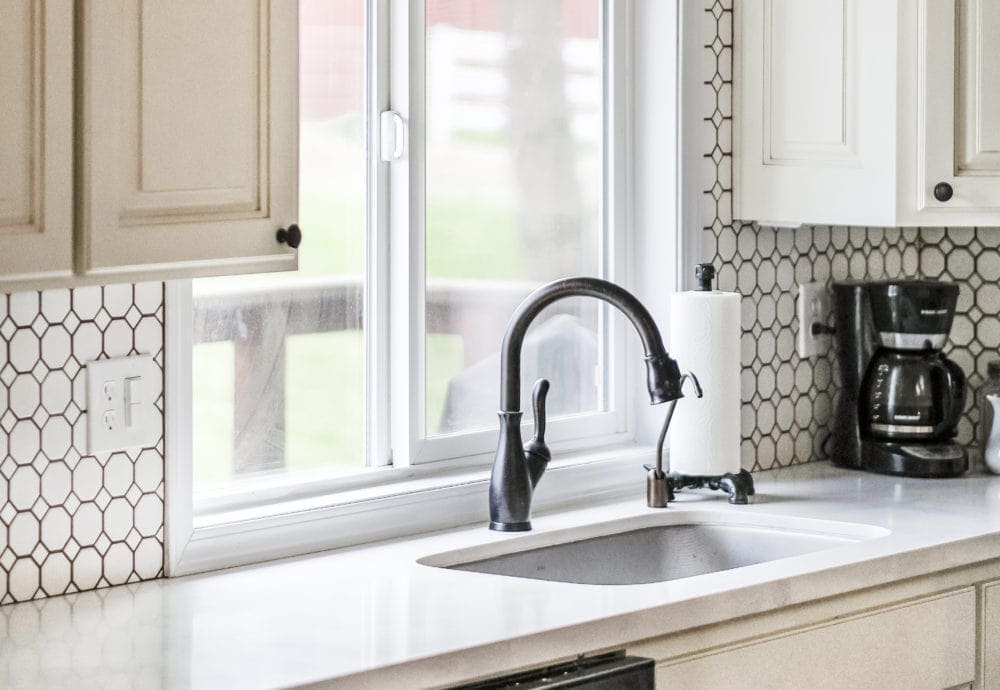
[(536, 452)]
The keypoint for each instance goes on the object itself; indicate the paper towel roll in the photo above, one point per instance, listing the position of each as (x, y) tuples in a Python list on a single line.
[(705, 340)]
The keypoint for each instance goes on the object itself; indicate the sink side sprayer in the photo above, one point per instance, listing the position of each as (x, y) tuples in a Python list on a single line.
[(517, 468)]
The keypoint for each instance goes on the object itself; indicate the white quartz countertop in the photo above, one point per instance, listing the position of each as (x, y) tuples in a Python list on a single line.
[(373, 617)]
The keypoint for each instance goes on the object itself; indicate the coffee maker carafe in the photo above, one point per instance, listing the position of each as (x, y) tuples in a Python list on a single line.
[(901, 398)]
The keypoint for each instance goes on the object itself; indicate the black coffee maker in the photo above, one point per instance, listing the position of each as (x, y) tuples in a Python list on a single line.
[(901, 398)]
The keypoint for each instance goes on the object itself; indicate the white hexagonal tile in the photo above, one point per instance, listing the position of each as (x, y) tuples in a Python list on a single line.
[(23, 307), (22, 582), (118, 299), (117, 519), (148, 558), (87, 478), (988, 265), (87, 568), (148, 470), (118, 563), (23, 488), (87, 343), (149, 515), (988, 332), (56, 347), (57, 482), (24, 395), (56, 528), (23, 533), (117, 339), (56, 574), (961, 264), (57, 391), (55, 305), (57, 435), (148, 336), (87, 524), (118, 474), (148, 297), (24, 350), (86, 302)]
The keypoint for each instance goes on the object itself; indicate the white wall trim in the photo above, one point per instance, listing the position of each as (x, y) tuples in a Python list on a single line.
[(178, 480), (690, 144), (654, 179)]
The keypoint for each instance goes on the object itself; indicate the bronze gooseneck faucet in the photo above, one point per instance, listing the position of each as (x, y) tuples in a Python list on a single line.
[(517, 469)]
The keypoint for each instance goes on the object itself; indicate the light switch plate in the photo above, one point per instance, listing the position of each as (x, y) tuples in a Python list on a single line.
[(120, 403), (813, 308)]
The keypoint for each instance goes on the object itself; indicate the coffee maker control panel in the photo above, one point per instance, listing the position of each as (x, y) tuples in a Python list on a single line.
[(878, 393)]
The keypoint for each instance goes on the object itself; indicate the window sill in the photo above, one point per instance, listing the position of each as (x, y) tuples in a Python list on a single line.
[(412, 505)]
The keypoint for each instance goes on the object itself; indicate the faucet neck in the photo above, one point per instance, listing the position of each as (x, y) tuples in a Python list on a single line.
[(533, 304)]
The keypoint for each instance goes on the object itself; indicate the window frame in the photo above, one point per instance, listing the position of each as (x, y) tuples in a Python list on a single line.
[(445, 476), (410, 443)]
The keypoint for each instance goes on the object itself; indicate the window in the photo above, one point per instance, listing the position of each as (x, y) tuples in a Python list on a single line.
[(376, 365)]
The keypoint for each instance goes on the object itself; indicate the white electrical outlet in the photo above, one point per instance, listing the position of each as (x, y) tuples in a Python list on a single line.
[(813, 308), (120, 404)]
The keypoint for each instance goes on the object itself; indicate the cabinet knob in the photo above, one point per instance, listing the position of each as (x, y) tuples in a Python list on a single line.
[(292, 236), (943, 191)]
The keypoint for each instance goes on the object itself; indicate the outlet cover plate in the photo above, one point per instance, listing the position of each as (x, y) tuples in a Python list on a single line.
[(121, 415), (813, 307)]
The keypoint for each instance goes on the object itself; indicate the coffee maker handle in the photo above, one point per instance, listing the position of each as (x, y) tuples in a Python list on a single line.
[(957, 384)]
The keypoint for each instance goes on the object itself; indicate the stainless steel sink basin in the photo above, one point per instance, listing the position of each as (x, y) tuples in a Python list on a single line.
[(680, 546)]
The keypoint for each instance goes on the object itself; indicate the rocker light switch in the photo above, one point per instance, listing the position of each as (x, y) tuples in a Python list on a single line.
[(120, 404)]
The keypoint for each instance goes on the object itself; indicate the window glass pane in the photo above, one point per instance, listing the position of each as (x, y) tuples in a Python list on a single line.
[(279, 358), (514, 189)]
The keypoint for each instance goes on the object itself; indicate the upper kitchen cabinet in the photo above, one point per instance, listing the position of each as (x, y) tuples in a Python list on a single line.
[(188, 135), (36, 139), (873, 112)]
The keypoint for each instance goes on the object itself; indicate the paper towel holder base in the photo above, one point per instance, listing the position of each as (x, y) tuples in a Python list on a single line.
[(739, 486)]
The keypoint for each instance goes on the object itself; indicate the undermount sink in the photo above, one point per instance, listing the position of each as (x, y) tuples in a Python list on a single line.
[(654, 548)]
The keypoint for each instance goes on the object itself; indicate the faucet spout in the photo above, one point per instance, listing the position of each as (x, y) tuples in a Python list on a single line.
[(663, 375), (512, 482)]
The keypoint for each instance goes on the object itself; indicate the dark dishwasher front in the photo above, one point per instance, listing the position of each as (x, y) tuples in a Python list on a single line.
[(613, 671)]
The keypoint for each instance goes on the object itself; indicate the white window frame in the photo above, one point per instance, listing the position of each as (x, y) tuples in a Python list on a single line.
[(441, 482)]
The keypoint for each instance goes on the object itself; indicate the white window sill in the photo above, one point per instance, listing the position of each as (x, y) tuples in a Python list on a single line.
[(413, 504)]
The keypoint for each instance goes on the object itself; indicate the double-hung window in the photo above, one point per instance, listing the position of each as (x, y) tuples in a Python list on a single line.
[(454, 155)]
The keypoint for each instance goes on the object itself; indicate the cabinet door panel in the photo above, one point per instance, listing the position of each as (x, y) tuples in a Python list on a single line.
[(813, 127), (960, 74), (990, 630), (189, 124), (928, 643), (36, 153)]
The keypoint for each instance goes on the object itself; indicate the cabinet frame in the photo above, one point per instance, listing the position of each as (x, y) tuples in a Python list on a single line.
[(36, 231)]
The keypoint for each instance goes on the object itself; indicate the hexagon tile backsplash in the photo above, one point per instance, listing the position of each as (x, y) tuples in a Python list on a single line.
[(787, 400), (71, 521)]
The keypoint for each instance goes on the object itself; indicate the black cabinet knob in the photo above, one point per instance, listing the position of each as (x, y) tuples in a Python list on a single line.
[(292, 236), (943, 191)]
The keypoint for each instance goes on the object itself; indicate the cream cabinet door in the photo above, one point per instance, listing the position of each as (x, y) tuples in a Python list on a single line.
[(960, 129), (189, 129), (36, 140), (927, 643)]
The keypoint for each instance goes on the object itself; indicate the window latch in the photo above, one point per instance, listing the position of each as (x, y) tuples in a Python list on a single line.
[(392, 136)]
